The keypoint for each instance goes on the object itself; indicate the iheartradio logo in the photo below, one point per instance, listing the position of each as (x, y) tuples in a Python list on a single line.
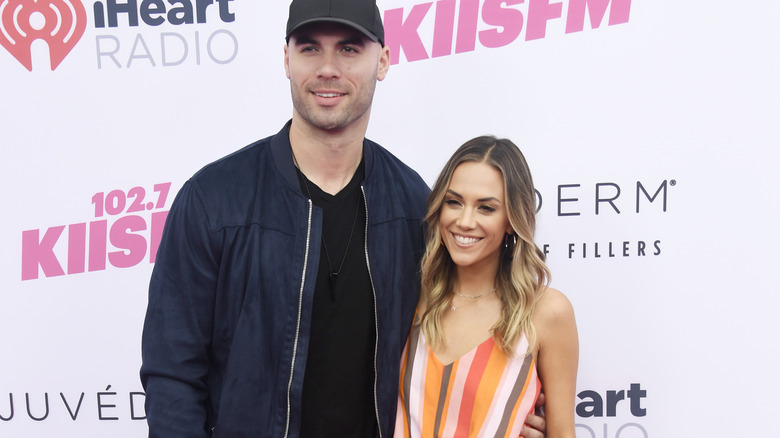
[(59, 23)]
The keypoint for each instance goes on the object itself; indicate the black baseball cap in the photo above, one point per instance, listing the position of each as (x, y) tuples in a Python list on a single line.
[(362, 15)]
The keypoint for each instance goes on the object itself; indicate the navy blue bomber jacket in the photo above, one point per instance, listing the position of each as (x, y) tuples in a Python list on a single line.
[(226, 334)]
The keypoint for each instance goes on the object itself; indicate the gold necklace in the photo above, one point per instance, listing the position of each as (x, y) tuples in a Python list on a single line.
[(473, 297)]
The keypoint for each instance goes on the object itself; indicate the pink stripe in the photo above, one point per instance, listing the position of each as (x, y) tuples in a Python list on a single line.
[(399, 420), (466, 377), (472, 382), (463, 366), (417, 390)]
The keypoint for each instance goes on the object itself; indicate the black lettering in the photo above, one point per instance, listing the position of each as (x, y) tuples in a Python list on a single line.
[(561, 200), (538, 200), (46, 402), (224, 13), (590, 408), (151, 11), (183, 13), (640, 188), (635, 395), (100, 15), (613, 397), (608, 200), (101, 405), (200, 6), (130, 8), (67, 406), (11, 404), (132, 406)]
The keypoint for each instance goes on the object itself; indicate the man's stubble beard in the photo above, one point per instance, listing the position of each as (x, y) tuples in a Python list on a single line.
[(333, 118)]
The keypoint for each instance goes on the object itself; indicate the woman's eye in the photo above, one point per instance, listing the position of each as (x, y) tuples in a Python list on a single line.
[(487, 209), (451, 202)]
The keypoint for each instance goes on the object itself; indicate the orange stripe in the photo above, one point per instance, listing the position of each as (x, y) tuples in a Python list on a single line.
[(407, 360), (488, 386), (475, 374), (431, 393)]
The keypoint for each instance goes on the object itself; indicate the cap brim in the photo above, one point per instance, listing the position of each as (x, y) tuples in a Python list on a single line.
[(351, 24)]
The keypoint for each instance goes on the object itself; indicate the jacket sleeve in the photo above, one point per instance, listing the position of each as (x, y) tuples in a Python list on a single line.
[(179, 318)]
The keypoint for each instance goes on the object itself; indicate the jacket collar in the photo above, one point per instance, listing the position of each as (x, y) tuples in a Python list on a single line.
[(282, 153)]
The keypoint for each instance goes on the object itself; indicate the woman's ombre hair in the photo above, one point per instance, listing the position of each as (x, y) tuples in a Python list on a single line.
[(522, 273)]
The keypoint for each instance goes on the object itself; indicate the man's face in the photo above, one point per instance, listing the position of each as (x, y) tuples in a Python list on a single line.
[(333, 71)]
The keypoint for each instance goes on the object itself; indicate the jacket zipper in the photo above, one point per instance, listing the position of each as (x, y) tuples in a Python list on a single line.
[(376, 316), (298, 325)]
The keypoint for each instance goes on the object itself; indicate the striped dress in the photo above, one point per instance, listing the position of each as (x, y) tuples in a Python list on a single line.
[(485, 393)]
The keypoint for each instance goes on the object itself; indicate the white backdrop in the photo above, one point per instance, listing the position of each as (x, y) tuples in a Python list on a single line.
[(668, 109)]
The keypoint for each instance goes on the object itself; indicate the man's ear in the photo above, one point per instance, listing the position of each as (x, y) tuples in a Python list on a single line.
[(384, 63), (287, 60)]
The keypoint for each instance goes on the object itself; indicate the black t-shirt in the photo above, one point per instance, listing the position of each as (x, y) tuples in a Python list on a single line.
[(338, 385)]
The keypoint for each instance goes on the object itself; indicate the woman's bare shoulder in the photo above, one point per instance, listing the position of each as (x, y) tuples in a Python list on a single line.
[(552, 308)]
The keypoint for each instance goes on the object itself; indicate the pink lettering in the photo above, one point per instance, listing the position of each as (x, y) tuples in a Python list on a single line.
[(77, 248), (133, 245), (158, 223), (502, 23), (444, 28), (539, 13), (88, 242), (400, 33), (575, 20), (40, 253), (468, 19), (511, 20), (97, 245)]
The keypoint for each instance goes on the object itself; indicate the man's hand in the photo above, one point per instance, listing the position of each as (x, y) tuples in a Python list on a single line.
[(535, 425)]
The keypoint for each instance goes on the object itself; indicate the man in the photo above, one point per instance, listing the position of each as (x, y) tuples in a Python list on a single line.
[(287, 275)]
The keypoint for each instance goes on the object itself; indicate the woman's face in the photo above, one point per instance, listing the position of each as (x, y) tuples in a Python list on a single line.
[(473, 217)]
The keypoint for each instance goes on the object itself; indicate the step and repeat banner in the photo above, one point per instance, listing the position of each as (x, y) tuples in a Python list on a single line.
[(650, 126)]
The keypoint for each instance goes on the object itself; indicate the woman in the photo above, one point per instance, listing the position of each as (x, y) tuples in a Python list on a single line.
[(489, 334)]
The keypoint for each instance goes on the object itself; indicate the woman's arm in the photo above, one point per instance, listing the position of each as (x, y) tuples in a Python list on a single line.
[(558, 354)]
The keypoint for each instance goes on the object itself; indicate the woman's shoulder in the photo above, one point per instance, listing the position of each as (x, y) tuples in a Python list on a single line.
[(552, 308)]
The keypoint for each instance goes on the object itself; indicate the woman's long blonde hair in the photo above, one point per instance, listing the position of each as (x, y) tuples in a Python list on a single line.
[(522, 273)]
